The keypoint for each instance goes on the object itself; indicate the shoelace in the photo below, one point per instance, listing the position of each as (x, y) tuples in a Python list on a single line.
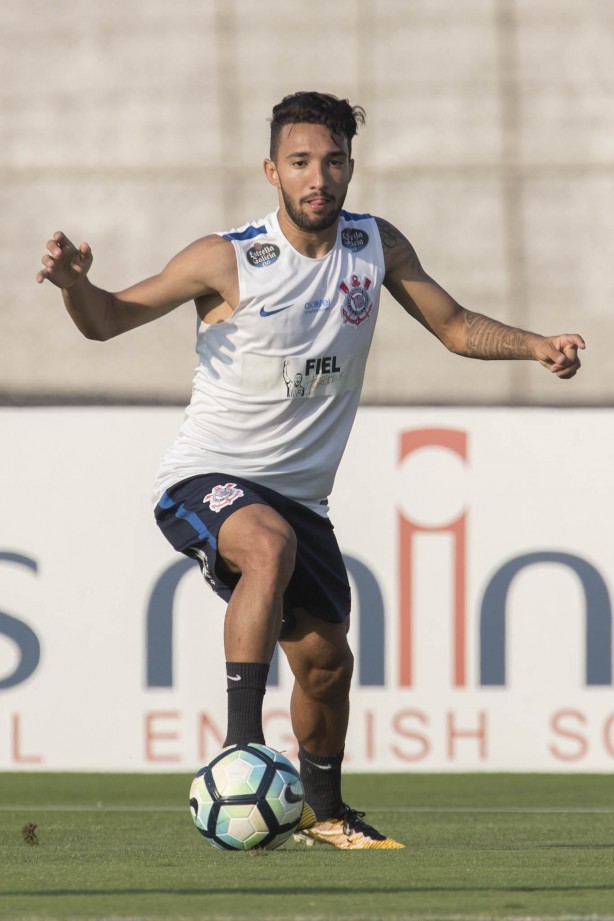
[(353, 822)]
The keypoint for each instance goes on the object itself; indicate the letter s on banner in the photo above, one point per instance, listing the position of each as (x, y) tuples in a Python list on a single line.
[(23, 636)]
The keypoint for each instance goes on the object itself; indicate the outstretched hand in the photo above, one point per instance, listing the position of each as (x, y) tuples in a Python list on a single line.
[(559, 354), (65, 263)]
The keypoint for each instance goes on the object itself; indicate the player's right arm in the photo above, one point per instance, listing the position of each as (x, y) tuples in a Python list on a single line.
[(206, 267)]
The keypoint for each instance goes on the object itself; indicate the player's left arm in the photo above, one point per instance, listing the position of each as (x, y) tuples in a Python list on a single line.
[(462, 331)]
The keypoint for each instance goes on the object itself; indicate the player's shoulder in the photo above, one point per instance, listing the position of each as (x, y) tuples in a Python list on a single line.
[(209, 262), (390, 235), (206, 250), (397, 248), (353, 217), (251, 230)]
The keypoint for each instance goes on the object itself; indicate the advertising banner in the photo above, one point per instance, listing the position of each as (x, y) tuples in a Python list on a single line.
[(480, 557)]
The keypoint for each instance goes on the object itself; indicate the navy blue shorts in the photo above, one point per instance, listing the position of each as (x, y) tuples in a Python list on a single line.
[(191, 513)]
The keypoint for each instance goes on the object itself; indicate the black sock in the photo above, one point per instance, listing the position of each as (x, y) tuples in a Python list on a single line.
[(321, 778), (246, 688)]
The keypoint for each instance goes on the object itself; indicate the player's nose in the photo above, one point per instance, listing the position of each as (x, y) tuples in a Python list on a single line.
[(319, 178)]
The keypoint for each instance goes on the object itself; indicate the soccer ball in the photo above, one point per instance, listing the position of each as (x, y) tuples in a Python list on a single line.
[(248, 796)]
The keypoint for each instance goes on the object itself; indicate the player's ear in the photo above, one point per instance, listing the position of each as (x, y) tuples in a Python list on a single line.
[(270, 171), (351, 169)]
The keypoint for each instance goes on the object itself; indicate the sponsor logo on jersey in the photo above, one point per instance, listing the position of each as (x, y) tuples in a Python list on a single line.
[(320, 303), (263, 254), (223, 495), (326, 365), (354, 239), (357, 304), (293, 381), (269, 313), (314, 373)]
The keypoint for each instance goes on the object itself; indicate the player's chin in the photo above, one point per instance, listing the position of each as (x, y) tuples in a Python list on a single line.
[(320, 223), (322, 220)]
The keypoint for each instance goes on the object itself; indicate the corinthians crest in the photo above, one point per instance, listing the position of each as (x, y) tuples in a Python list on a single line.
[(357, 304), (221, 496)]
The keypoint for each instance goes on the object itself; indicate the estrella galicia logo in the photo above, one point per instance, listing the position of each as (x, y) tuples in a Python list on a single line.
[(263, 254), (354, 239)]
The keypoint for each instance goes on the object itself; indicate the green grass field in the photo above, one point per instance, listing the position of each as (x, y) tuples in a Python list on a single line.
[(478, 847)]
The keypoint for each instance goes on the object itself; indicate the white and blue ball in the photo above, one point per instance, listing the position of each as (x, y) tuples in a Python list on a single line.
[(248, 796)]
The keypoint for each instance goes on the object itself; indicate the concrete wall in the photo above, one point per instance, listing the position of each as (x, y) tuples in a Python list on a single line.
[(140, 125)]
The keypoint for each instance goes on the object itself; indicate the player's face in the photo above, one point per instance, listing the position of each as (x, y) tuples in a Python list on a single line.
[(312, 171)]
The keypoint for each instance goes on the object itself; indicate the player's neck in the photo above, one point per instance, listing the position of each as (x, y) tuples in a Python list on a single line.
[(313, 244)]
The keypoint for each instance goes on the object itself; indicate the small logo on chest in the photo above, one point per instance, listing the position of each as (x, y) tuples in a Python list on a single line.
[(262, 254), (354, 239), (269, 313)]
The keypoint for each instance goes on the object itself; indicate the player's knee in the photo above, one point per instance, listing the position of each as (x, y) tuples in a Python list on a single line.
[(260, 545), (275, 552)]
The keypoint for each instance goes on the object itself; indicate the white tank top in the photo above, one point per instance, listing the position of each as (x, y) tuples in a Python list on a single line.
[(277, 385)]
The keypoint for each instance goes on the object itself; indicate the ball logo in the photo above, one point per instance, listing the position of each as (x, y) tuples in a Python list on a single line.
[(263, 254), (357, 304)]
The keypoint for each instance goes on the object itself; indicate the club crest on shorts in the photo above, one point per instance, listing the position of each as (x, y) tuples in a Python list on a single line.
[(221, 496), (357, 303)]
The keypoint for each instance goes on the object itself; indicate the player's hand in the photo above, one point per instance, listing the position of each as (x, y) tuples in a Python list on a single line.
[(559, 354), (64, 264)]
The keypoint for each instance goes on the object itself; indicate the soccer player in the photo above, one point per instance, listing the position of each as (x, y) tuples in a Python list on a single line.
[(287, 305)]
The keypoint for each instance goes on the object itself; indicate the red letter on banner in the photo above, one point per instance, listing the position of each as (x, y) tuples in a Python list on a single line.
[(18, 757), (151, 736), (456, 442), (561, 730)]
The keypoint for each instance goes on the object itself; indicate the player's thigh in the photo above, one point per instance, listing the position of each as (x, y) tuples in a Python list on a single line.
[(257, 537)]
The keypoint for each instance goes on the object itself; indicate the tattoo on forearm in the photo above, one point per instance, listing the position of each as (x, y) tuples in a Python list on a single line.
[(487, 338)]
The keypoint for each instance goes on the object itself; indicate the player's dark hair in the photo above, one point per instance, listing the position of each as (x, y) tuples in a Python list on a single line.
[(312, 108)]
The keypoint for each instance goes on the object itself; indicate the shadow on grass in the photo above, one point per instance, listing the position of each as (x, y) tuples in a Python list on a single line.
[(305, 890)]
